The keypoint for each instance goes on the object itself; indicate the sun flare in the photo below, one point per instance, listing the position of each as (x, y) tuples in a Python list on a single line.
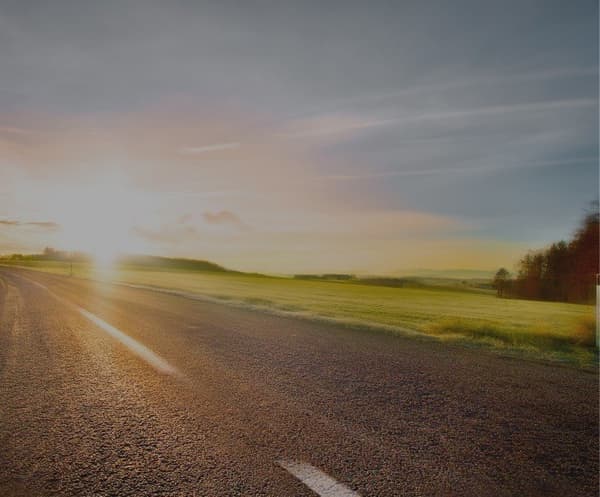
[(98, 218)]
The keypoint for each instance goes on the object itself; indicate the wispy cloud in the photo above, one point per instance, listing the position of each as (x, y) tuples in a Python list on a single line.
[(329, 125), (438, 88), (339, 120), (46, 225), (459, 170), (217, 147), (224, 218), (323, 125), (495, 110)]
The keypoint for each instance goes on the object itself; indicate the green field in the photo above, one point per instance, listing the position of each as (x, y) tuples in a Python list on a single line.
[(550, 330)]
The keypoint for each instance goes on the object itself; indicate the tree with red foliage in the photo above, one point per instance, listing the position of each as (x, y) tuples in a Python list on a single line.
[(564, 271)]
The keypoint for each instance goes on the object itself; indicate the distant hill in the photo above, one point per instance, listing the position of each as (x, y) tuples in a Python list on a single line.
[(129, 260), (460, 274), (158, 262), (403, 278)]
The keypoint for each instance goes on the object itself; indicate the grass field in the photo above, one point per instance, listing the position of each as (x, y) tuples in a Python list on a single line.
[(550, 330)]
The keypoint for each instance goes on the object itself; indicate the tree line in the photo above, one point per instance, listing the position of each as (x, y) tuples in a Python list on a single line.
[(564, 271)]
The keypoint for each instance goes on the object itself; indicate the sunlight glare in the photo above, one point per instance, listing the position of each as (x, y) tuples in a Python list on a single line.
[(97, 218)]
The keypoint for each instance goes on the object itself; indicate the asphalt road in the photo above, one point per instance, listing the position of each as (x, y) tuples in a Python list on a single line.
[(108, 390)]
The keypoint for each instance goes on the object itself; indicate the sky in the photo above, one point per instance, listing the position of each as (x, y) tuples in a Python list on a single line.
[(347, 136)]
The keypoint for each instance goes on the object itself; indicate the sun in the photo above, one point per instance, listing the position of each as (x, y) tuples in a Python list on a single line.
[(104, 255), (97, 218)]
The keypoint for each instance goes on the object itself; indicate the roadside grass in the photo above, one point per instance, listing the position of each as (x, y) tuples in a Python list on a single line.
[(537, 336), (547, 330)]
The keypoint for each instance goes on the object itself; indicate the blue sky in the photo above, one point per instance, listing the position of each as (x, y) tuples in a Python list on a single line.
[(288, 136)]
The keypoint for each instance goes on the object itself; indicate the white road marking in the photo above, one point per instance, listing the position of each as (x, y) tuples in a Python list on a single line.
[(36, 283), (136, 347), (139, 349), (319, 482)]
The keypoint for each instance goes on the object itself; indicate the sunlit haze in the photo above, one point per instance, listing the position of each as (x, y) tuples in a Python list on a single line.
[(298, 139)]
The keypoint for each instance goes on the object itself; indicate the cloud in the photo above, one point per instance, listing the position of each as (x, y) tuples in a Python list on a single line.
[(217, 147), (45, 225), (69, 149), (495, 110), (458, 170), (326, 124), (224, 218), (330, 125), (437, 88)]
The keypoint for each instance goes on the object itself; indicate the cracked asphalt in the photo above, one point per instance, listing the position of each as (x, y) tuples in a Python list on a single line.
[(81, 414)]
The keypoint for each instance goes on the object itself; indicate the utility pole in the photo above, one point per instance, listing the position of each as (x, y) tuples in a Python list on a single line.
[(598, 311)]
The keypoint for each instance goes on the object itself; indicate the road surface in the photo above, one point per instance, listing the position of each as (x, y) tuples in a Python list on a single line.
[(114, 391)]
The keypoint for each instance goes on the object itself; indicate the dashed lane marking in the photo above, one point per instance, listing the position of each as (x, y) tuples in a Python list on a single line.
[(133, 345), (139, 349), (319, 482)]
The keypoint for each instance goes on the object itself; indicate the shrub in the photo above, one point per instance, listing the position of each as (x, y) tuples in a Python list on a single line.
[(585, 332)]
